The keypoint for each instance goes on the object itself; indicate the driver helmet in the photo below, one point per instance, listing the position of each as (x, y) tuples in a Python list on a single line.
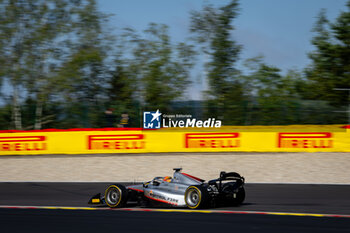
[(167, 179)]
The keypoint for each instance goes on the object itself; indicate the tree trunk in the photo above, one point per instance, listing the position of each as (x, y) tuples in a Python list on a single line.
[(38, 114), (16, 110)]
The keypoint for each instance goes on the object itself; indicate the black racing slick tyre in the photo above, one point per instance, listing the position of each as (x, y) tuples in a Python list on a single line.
[(240, 196), (234, 195), (116, 195), (196, 197)]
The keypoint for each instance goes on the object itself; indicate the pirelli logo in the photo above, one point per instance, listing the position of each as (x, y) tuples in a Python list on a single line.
[(305, 140), (212, 140), (23, 143), (116, 142)]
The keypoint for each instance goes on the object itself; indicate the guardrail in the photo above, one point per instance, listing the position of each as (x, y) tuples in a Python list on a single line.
[(322, 138)]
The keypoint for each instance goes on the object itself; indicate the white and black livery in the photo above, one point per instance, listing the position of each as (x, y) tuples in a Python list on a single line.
[(181, 190)]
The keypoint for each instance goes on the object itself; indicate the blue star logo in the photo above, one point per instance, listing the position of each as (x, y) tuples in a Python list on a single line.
[(151, 120)]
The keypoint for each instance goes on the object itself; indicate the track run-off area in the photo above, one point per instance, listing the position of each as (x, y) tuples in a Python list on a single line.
[(62, 207)]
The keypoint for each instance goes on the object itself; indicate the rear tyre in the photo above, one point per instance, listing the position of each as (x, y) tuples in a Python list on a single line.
[(196, 197), (240, 196), (233, 197), (116, 195)]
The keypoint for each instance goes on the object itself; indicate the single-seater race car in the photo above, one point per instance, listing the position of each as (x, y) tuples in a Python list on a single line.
[(181, 190)]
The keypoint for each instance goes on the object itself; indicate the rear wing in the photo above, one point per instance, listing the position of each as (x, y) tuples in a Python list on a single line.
[(230, 176), (224, 176)]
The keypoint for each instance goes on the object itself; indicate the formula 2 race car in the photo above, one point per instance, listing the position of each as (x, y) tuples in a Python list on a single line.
[(182, 190)]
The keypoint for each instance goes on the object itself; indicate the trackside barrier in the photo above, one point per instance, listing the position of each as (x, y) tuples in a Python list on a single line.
[(330, 138)]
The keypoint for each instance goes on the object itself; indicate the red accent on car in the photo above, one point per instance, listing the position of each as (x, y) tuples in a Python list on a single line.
[(138, 190), (193, 177)]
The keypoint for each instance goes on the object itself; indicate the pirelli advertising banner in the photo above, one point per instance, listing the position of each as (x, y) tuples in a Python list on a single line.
[(334, 138)]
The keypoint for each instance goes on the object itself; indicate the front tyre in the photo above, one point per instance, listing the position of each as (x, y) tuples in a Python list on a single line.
[(116, 195), (196, 197)]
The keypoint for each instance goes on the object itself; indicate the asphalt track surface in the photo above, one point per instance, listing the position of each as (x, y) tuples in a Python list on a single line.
[(291, 198)]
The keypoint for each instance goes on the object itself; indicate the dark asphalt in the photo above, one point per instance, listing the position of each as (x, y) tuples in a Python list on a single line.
[(156, 222), (324, 199)]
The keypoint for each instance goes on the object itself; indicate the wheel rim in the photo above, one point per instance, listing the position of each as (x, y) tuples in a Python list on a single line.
[(192, 197), (113, 196)]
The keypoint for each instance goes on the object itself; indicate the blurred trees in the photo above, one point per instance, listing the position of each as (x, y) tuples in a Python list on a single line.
[(274, 95), (47, 47), (330, 67), (213, 28), (121, 90), (160, 68), (20, 27), (60, 61), (62, 68), (83, 74)]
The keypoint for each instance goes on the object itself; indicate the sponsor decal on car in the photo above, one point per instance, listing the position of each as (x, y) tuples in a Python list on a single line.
[(23, 143), (305, 140), (212, 140), (161, 197), (116, 142)]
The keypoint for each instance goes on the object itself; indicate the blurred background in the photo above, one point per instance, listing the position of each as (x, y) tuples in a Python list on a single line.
[(92, 64)]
